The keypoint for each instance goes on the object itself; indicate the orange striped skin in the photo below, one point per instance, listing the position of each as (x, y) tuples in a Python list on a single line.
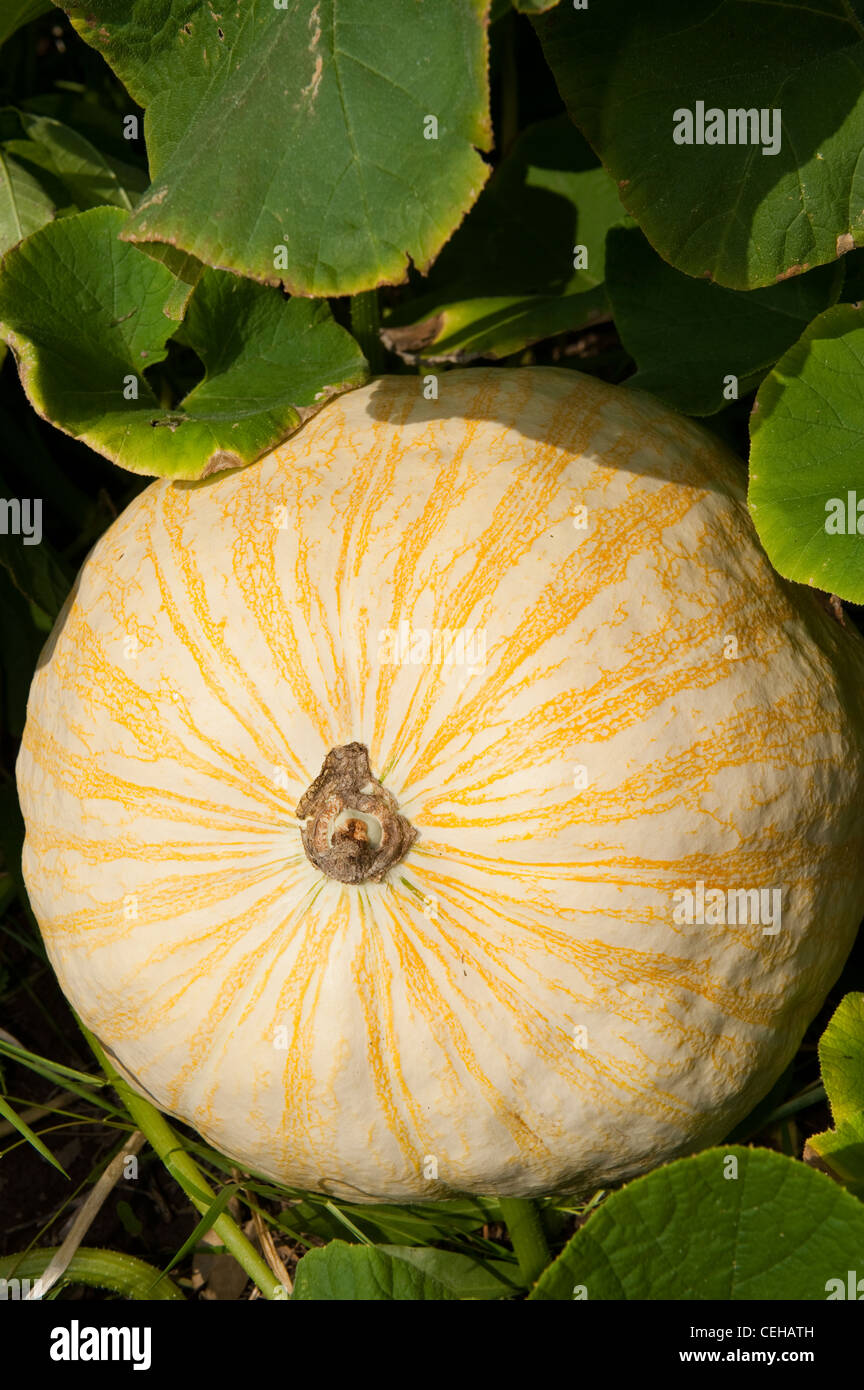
[(421, 1036)]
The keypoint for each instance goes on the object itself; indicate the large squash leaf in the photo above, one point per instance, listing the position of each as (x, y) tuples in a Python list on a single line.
[(730, 1224), (806, 481), (351, 1272), (735, 212), (689, 337), (87, 314), (319, 146), (841, 1056)]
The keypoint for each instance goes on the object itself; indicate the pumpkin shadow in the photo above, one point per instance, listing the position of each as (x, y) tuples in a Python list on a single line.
[(661, 431)]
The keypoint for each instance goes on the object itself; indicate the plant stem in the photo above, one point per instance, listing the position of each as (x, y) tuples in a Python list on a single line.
[(811, 1097), (186, 1172), (527, 1236), (365, 325), (103, 1269)]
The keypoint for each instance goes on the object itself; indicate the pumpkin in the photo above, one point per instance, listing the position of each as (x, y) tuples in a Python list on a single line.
[(365, 788)]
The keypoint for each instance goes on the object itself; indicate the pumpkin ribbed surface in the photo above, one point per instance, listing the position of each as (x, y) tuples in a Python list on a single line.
[(513, 1006)]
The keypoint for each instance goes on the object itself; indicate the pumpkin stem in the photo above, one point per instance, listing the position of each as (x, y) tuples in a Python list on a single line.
[(353, 829)]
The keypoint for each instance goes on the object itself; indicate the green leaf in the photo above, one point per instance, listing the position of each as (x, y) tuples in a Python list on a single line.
[(806, 430), (276, 361), (403, 1225), (48, 169), (841, 1055), (18, 12), (27, 1133), (187, 271), (465, 1277), (723, 210), (287, 143), (688, 336), (307, 1218), (45, 1067), (207, 1222), (777, 1230), (363, 1273), (86, 314), (24, 203), (422, 1223), (508, 277), (101, 118), (83, 175)]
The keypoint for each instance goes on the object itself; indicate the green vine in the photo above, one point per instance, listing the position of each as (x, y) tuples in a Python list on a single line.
[(186, 1172), (101, 1269)]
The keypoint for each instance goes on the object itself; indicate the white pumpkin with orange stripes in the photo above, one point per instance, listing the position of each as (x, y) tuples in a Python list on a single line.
[(361, 786)]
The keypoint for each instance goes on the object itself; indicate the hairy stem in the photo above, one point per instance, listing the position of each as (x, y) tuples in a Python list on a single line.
[(101, 1269), (365, 325), (527, 1236)]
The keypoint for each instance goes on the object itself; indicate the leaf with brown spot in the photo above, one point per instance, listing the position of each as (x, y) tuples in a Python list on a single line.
[(86, 316), (220, 462), (294, 140)]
